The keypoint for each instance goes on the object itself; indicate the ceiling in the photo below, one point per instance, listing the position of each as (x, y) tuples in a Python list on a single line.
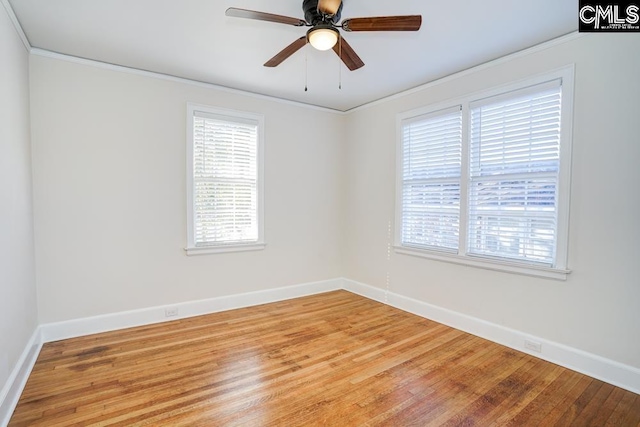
[(194, 39)]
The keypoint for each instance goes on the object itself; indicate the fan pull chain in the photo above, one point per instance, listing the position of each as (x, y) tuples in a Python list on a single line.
[(340, 62), (306, 66)]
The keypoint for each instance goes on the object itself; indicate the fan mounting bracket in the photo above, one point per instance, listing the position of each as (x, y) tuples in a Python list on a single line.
[(314, 17)]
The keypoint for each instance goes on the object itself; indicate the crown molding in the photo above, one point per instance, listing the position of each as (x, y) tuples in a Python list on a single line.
[(16, 24), (168, 77), (503, 59)]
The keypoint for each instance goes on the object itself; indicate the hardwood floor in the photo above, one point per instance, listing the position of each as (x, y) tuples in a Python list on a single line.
[(333, 359)]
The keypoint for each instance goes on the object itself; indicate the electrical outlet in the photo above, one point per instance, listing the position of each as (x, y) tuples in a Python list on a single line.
[(170, 311), (533, 346)]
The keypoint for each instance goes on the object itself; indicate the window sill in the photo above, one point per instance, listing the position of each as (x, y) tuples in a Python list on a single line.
[(204, 250), (487, 264)]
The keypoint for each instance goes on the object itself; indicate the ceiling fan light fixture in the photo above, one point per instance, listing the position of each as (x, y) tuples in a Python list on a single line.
[(323, 38)]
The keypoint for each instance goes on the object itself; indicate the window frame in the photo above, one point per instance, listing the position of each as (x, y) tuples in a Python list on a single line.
[(259, 244), (560, 269)]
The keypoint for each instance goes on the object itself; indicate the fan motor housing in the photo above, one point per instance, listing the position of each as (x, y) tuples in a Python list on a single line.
[(313, 17)]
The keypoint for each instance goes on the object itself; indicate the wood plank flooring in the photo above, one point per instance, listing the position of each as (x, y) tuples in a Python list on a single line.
[(334, 359)]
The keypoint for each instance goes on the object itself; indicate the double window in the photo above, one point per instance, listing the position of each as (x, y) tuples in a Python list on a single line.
[(224, 165), (485, 180)]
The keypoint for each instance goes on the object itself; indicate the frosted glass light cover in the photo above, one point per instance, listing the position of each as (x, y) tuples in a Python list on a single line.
[(323, 38)]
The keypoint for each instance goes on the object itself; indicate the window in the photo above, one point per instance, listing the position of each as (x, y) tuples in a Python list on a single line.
[(485, 181), (431, 153), (224, 166), (515, 153)]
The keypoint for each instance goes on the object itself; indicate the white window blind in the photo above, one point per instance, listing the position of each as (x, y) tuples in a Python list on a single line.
[(431, 156), (225, 180), (514, 166)]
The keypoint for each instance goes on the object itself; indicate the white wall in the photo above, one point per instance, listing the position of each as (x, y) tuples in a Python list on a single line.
[(596, 309), (18, 317), (110, 215), (110, 198)]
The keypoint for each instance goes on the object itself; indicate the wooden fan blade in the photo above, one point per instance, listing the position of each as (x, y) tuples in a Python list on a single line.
[(329, 7), (286, 52), (349, 56), (262, 16), (383, 23)]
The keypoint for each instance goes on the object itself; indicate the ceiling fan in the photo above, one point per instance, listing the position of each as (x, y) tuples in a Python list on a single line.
[(323, 17)]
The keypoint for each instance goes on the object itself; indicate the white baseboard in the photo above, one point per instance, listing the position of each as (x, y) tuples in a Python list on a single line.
[(15, 383), (146, 316), (610, 371), (49, 332)]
